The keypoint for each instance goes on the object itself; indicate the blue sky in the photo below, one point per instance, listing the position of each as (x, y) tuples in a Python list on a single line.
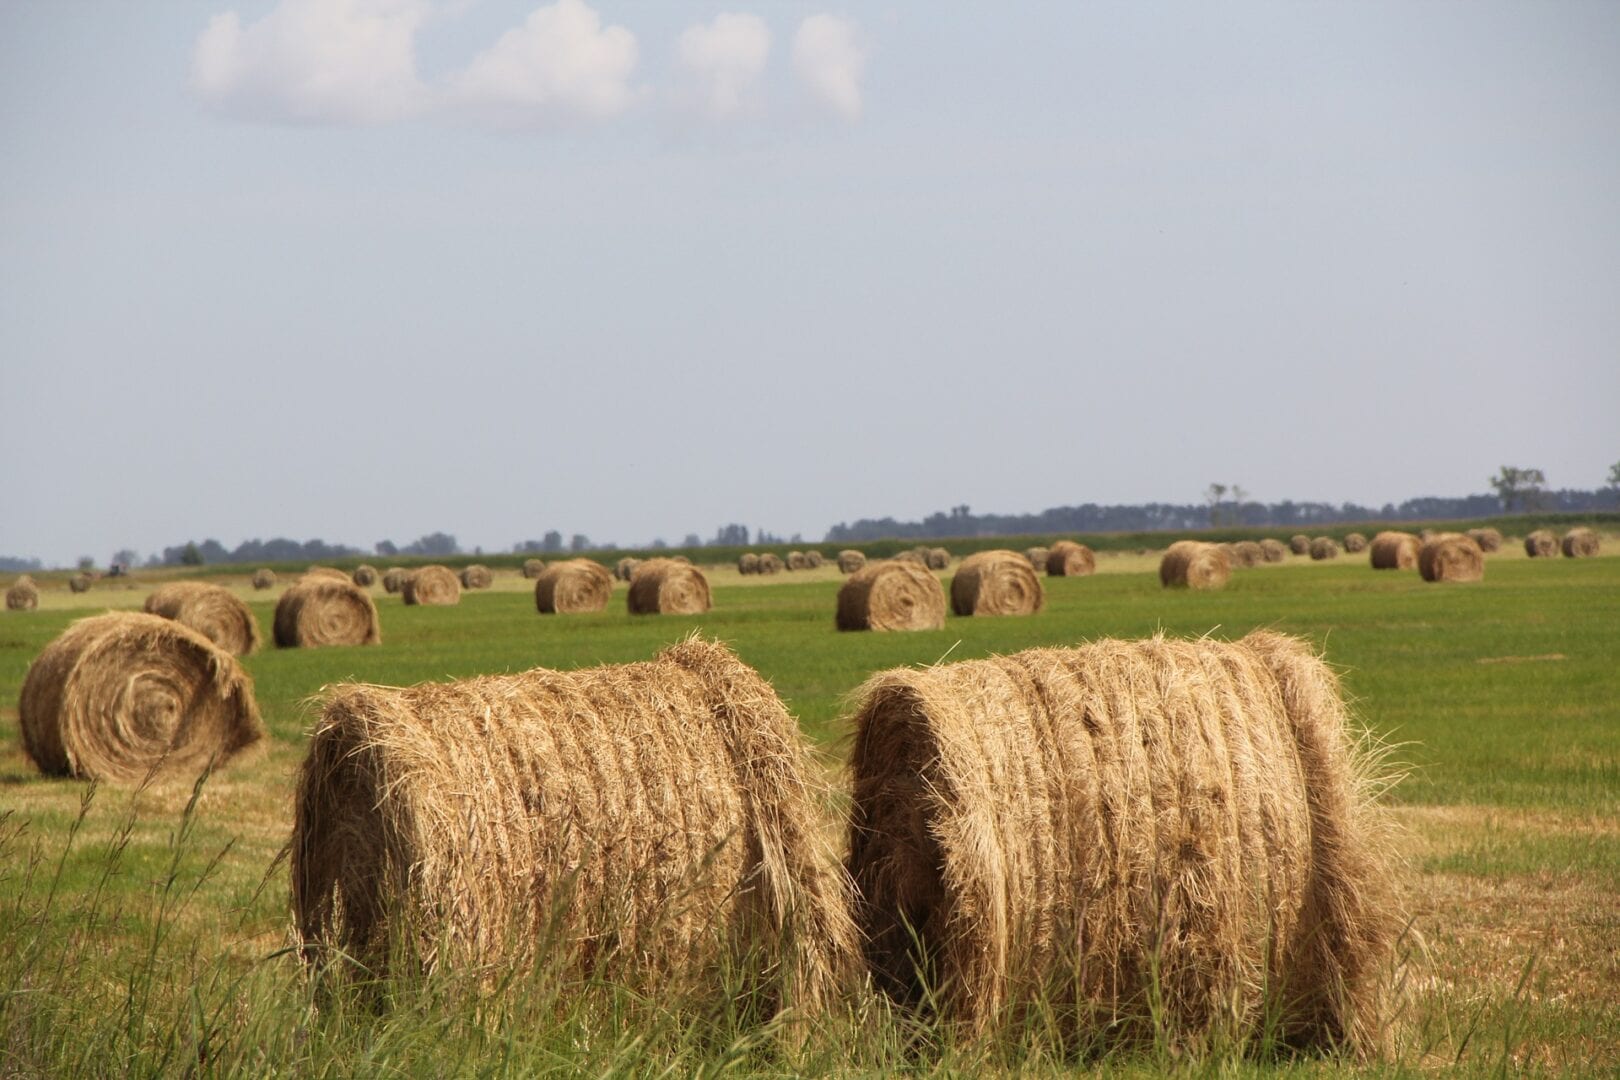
[(366, 269)]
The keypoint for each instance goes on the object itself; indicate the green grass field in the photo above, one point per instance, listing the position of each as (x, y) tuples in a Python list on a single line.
[(146, 932)]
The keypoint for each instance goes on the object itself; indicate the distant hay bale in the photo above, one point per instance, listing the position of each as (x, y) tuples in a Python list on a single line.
[(23, 595), (1273, 551), (1193, 564), (893, 594), (264, 578), (1581, 543), (1069, 559), (1245, 553), (996, 583), (796, 561), (120, 695), (364, 576), (1541, 544), (814, 559), (1451, 557), (650, 824), (748, 563), (212, 610), (1355, 543), (318, 612), (532, 568), (667, 587), (572, 586), (770, 563), (1299, 544), (1425, 535), (80, 583), (1488, 539), (850, 560), (394, 579), (1394, 551), (913, 556), (938, 559), (327, 572), (625, 568), (432, 586), (1324, 547), (1153, 837), (1037, 557), (476, 576)]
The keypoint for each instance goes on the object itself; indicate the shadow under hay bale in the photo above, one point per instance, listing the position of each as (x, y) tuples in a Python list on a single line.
[(364, 576), (572, 586), (264, 578), (1355, 543), (1158, 834), (321, 611), (1273, 551), (996, 583), (1394, 551), (1069, 559), (648, 824), (23, 595), (1581, 543), (893, 594), (850, 560), (476, 576), (432, 586), (1324, 547), (668, 587), (1193, 564), (119, 695), (211, 610), (1451, 557), (1541, 544)]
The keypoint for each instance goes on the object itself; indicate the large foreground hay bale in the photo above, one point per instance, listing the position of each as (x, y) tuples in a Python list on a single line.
[(212, 610), (1581, 543), (264, 578), (321, 611), (1273, 551), (119, 694), (571, 586), (476, 576), (748, 563), (364, 576), (1069, 559), (532, 568), (1355, 543), (770, 563), (796, 561), (80, 583), (652, 824), (1324, 547), (1193, 564), (1451, 557), (1488, 539), (1125, 832), (850, 560), (996, 583), (1244, 553), (394, 578), (1299, 544), (815, 560), (1541, 544), (668, 587), (435, 586), (1037, 557), (23, 595), (1394, 551), (938, 559), (625, 568), (893, 594)]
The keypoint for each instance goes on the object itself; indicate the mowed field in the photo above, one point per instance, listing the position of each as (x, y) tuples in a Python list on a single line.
[(147, 932)]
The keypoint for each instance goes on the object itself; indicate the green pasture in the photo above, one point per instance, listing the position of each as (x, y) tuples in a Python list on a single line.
[(146, 931)]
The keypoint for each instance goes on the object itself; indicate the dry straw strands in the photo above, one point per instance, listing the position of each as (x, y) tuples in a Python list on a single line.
[(264, 578), (434, 585), (1299, 544), (121, 694), (572, 586), (364, 576), (1037, 557), (770, 563), (850, 560), (1541, 544), (1394, 551), (1451, 557), (1356, 543), (796, 561), (476, 576), (321, 611), (1245, 553), (1069, 559), (894, 594), (23, 595), (1180, 831), (532, 568), (1273, 551), (394, 578), (211, 610), (1580, 543), (1489, 540), (937, 558), (80, 583), (668, 587), (748, 563), (625, 568), (1193, 564), (652, 824), (996, 583), (1324, 547)]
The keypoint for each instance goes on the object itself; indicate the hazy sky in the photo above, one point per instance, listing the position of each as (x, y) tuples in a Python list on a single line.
[(366, 269)]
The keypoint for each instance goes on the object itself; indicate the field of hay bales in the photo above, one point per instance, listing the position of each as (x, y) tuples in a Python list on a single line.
[(149, 930)]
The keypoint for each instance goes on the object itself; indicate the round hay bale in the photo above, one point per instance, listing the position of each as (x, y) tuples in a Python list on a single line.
[(625, 568), (364, 576), (1324, 547), (850, 560), (1170, 838), (770, 563), (1425, 535), (796, 561), (648, 824), (1394, 551), (1451, 557), (532, 568), (327, 572), (1355, 543), (571, 586), (913, 556), (938, 559), (211, 610), (1245, 553), (120, 695), (894, 594), (1069, 559), (814, 560), (667, 587), (80, 583), (394, 578), (476, 576), (748, 563), (318, 612), (1541, 544), (1037, 557), (264, 578), (1193, 564), (1488, 539), (1299, 544), (435, 586), (1581, 543), (1273, 551), (23, 595), (996, 583)]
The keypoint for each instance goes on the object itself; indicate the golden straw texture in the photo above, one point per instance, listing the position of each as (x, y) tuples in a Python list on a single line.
[(572, 586), (211, 610), (894, 594), (996, 582)]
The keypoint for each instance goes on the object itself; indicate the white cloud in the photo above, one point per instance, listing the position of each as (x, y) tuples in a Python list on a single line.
[(562, 62), (829, 59), (314, 61), (722, 61)]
